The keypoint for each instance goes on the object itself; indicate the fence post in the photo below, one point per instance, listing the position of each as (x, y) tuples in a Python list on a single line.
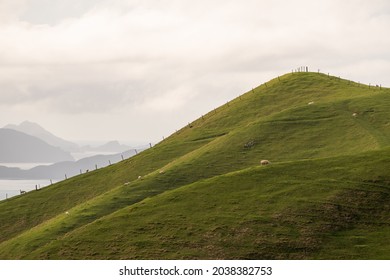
[(122, 157), (6, 196), (51, 182), (150, 145), (109, 162), (95, 166), (66, 178)]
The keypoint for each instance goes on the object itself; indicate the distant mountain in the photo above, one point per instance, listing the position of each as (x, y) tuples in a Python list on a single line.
[(36, 130), (16, 146), (112, 146), (58, 170)]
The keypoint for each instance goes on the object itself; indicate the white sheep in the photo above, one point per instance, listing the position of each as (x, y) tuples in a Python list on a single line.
[(265, 162)]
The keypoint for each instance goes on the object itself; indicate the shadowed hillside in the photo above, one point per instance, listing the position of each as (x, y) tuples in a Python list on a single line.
[(201, 193)]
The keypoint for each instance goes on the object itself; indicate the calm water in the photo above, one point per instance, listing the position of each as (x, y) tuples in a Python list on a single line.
[(9, 188)]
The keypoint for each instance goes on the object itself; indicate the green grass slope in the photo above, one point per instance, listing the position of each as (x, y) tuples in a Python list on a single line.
[(204, 195)]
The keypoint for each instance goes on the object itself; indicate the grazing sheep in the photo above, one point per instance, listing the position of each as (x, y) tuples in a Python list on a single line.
[(265, 162), (354, 114), (22, 192), (310, 103), (127, 183), (139, 177), (67, 213), (161, 171)]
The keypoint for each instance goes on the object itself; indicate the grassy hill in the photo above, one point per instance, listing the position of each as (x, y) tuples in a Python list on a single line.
[(203, 194)]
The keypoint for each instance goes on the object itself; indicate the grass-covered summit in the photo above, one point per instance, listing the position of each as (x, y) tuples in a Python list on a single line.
[(202, 193)]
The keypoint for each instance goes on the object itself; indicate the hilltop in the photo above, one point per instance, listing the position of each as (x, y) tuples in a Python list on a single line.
[(202, 193)]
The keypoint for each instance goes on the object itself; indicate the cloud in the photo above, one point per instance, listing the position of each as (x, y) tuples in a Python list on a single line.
[(53, 12), (10, 10)]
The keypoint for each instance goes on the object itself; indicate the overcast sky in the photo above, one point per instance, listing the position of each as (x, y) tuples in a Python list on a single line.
[(138, 70)]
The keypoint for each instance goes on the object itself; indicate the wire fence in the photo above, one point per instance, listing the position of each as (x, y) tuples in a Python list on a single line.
[(13, 187)]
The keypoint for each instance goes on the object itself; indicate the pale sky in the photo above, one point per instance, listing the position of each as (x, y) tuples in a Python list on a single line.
[(135, 71)]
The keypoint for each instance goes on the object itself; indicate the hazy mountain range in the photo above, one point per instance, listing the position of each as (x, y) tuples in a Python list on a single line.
[(36, 130), (17, 146), (112, 146), (64, 169), (31, 143)]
